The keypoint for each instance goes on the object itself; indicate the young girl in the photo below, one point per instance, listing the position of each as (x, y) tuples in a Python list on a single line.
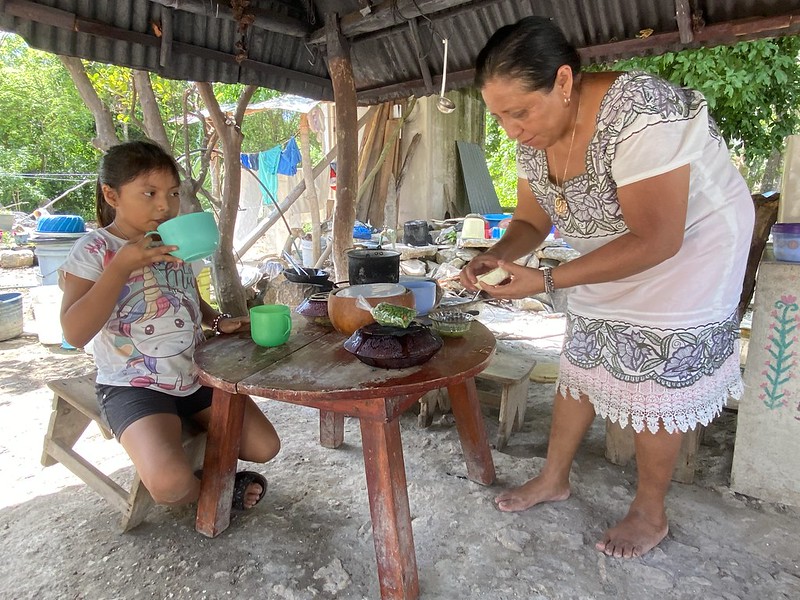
[(142, 307)]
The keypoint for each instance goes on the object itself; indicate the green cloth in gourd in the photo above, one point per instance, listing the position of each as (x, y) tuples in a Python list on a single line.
[(391, 314)]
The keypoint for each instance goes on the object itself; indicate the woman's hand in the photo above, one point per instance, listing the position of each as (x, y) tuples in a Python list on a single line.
[(483, 263), (523, 282), (137, 255), (233, 324)]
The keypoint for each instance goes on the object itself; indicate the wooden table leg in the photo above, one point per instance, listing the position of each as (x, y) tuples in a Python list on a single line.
[(471, 432), (388, 504), (219, 466), (331, 429)]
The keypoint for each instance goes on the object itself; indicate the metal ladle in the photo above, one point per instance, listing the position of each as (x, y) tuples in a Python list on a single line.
[(445, 105)]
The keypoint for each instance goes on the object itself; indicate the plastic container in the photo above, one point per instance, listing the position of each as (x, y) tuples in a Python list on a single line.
[(60, 224), (10, 315), (474, 227), (51, 255), (46, 301), (494, 219), (307, 249), (786, 241)]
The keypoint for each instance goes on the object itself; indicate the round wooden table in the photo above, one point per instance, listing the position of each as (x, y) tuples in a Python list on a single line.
[(313, 369)]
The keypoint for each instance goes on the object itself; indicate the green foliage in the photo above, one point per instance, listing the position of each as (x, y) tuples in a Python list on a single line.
[(44, 128), (501, 155), (752, 88)]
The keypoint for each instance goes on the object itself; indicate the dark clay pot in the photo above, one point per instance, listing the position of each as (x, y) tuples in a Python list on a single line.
[(315, 309), (373, 266), (394, 347)]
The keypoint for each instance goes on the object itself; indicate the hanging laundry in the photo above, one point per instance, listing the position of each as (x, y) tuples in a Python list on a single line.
[(250, 160), (289, 158), (268, 173)]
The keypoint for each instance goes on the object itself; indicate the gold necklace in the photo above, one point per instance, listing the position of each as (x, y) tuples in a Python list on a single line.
[(560, 203), (119, 231)]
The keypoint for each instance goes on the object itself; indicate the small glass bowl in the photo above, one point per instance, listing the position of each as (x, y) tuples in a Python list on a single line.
[(451, 323)]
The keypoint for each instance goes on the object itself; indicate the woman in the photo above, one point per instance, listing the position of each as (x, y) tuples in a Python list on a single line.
[(634, 174)]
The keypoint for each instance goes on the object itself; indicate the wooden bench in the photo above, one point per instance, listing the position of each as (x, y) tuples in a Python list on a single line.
[(74, 408), (512, 371)]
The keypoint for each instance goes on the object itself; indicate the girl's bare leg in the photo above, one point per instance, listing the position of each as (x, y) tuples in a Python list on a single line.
[(571, 419), (154, 445), (645, 525)]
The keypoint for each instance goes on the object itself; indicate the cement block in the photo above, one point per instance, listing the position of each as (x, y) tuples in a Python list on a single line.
[(766, 460)]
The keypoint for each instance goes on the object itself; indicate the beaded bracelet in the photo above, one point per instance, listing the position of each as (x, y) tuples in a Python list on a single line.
[(547, 275), (217, 319)]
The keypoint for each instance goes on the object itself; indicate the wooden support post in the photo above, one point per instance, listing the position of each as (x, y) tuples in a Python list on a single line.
[(311, 188), (344, 93)]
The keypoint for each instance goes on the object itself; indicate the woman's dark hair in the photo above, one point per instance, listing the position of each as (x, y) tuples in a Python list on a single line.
[(124, 163), (531, 51)]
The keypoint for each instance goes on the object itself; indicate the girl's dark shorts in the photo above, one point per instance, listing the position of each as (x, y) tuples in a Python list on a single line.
[(122, 405)]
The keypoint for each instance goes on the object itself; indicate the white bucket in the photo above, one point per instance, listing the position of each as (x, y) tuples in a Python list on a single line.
[(307, 249), (51, 255), (46, 302)]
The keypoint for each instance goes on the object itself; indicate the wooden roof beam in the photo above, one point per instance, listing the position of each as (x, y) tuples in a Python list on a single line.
[(683, 15), (386, 14), (269, 21)]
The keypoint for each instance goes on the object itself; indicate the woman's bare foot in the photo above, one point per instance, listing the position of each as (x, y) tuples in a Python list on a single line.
[(534, 492), (637, 534)]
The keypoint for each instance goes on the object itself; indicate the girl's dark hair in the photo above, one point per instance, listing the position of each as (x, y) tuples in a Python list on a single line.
[(124, 163), (531, 51)]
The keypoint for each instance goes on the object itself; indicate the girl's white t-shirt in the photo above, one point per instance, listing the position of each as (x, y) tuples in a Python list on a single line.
[(150, 337)]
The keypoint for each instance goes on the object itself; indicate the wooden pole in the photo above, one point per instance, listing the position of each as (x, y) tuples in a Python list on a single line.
[(311, 189), (344, 93)]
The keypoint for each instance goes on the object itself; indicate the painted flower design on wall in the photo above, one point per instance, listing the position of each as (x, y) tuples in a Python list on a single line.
[(782, 356)]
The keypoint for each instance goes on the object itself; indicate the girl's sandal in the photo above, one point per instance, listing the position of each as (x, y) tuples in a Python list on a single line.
[(243, 480), (240, 484)]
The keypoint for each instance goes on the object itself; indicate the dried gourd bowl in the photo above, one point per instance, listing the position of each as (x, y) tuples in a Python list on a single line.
[(346, 316), (451, 323)]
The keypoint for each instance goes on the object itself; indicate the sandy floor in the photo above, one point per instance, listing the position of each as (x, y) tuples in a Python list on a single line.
[(311, 537)]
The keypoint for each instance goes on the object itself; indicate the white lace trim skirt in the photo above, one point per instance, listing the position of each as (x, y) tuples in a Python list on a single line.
[(649, 404)]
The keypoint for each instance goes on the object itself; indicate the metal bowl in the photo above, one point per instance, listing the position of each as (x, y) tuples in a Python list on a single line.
[(451, 323)]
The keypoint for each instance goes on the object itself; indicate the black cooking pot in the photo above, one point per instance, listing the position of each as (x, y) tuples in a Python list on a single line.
[(373, 266)]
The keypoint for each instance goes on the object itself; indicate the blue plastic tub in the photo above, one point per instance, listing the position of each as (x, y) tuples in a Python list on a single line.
[(495, 218)]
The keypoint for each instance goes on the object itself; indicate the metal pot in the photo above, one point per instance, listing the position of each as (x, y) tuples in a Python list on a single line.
[(373, 266)]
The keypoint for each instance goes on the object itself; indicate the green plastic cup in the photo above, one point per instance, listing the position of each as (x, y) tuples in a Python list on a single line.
[(195, 234), (270, 324)]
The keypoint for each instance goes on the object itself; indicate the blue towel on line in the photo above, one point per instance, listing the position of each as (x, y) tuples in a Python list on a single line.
[(289, 158), (268, 172)]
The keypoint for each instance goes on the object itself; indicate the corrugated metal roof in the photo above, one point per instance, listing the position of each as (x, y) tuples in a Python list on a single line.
[(284, 47)]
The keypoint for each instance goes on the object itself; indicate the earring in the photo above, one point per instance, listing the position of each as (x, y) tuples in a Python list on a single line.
[(567, 100)]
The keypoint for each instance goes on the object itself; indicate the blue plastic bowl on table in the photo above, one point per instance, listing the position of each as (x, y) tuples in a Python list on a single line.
[(495, 218), (60, 224)]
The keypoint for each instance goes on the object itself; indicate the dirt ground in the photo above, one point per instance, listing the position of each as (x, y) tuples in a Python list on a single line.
[(311, 537)]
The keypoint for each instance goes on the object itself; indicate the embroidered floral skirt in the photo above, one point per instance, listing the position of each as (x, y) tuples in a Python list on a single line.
[(650, 377)]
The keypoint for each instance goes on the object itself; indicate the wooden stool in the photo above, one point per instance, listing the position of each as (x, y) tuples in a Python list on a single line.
[(512, 371), (620, 450), (74, 407)]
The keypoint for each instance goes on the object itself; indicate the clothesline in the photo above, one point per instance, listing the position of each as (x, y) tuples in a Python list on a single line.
[(268, 164)]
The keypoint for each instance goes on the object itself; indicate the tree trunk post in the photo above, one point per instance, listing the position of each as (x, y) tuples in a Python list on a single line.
[(344, 94)]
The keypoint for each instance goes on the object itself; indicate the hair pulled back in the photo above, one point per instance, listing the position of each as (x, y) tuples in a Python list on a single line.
[(530, 51), (124, 163)]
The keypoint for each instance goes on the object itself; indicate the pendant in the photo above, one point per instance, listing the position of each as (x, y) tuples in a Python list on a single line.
[(561, 206)]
